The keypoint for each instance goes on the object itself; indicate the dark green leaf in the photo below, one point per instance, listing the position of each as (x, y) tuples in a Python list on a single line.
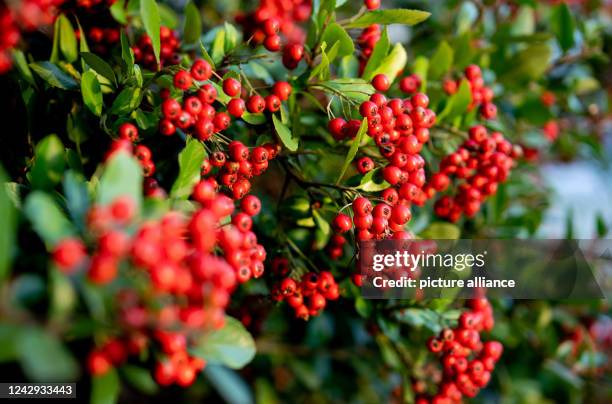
[(190, 164), (563, 26), (441, 61), (68, 42), (105, 388), (92, 92), (54, 76), (149, 12), (284, 133), (100, 66), (48, 221), (193, 23), (21, 64), (7, 230), (390, 16), (77, 196), (127, 54), (128, 100), (44, 358), (9, 337), (335, 33), (350, 156), (140, 378), (231, 346), (122, 176), (378, 54), (49, 163)]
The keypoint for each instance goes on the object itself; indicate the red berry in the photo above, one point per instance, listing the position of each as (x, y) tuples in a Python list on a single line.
[(380, 81), (128, 131), (372, 4), (182, 80), (282, 90), (231, 87), (342, 223), (368, 109), (201, 70), (337, 127), (236, 107), (256, 104), (68, 254), (98, 363), (273, 103), (171, 108), (273, 43), (166, 127), (362, 206), (364, 165)]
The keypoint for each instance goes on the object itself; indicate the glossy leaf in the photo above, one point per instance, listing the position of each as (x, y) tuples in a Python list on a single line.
[(231, 346), (54, 76), (391, 16), (149, 12), (190, 163), (441, 61), (334, 33), (378, 54), (100, 66), (92, 92), (392, 64), (49, 163), (68, 41), (284, 133), (193, 23)]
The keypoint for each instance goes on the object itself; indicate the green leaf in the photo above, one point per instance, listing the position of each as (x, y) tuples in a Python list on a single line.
[(55, 49), (254, 119), (363, 307), (322, 69), (9, 337), (190, 164), (68, 41), (372, 181), (378, 54), (350, 156), (457, 104), (7, 231), (393, 63), (54, 76), (231, 37), (20, 62), (118, 11), (76, 128), (231, 346), (206, 55), (100, 66), (355, 89), (334, 33), (563, 26), (441, 61), (441, 231), (43, 357), (284, 133), (230, 386), (105, 389), (92, 92), (193, 23), (48, 221), (218, 47), (127, 54), (63, 297), (149, 12), (529, 64), (323, 230), (122, 176), (392, 16), (49, 163), (77, 195), (128, 100), (140, 378), (420, 67)]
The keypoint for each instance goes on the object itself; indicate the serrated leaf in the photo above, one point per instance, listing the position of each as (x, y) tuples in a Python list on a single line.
[(149, 12), (193, 23), (100, 66), (49, 163), (390, 16), (441, 61), (68, 42), (334, 33), (92, 92), (350, 156), (54, 76), (231, 346), (392, 64), (378, 54), (122, 176), (48, 221), (284, 133), (190, 164)]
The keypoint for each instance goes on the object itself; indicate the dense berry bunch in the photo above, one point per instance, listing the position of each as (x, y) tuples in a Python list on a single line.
[(273, 18), (399, 128), (192, 264), (367, 40), (482, 96), (467, 362), (103, 32), (170, 44), (307, 296), (22, 16), (478, 166)]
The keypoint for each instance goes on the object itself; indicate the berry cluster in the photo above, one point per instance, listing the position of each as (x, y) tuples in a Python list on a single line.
[(482, 96), (102, 30), (273, 18), (467, 362), (168, 55), (479, 165), (399, 128), (18, 17), (192, 264), (308, 296)]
